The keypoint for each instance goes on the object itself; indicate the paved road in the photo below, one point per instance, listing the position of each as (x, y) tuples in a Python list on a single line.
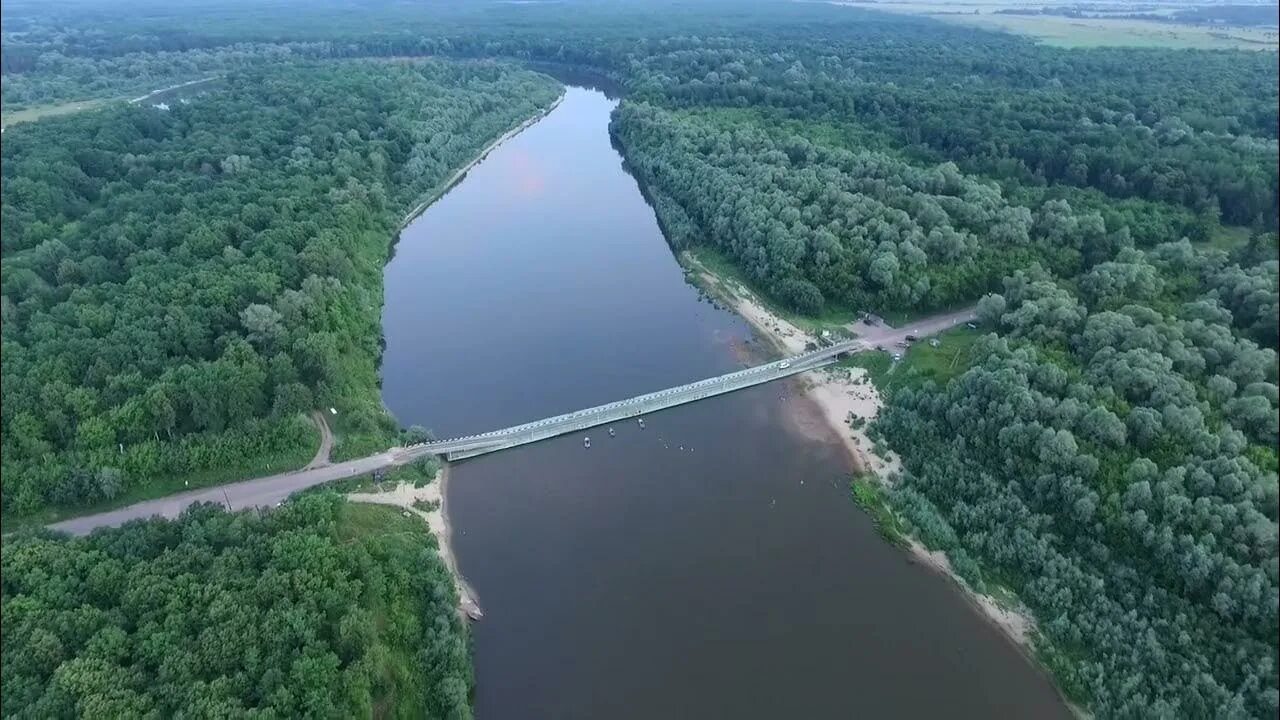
[(259, 492), (270, 490)]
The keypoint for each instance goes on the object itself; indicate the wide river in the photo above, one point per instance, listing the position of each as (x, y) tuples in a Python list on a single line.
[(711, 565)]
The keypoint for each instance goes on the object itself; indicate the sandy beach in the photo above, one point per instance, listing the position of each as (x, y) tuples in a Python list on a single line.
[(842, 394), (404, 495)]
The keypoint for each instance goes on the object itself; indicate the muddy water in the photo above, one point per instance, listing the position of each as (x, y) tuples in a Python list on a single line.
[(709, 565)]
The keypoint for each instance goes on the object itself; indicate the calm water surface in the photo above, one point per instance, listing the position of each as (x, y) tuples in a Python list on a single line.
[(711, 565)]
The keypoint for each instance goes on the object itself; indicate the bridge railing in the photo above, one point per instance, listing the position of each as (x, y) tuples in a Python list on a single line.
[(498, 436)]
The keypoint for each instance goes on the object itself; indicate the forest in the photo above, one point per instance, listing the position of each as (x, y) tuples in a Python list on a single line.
[(178, 286), (1110, 455), (319, 608)]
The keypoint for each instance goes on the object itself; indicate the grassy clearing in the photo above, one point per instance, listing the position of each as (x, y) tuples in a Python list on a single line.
[(32, 114), (1228, 238), (1109, 32), (349, 445), (869, 496), (1084, 32), (920, 363), (365, 520)]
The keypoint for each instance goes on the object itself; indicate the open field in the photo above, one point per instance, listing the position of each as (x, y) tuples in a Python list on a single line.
[(1085, 32), (35, 113)]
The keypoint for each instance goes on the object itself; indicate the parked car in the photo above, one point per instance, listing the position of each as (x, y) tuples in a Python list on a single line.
[(912, 338)]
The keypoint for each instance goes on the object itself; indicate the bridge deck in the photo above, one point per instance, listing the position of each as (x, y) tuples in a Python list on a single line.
[(473, 445)]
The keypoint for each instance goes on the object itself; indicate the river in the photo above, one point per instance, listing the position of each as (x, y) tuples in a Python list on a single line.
[(711, 564)]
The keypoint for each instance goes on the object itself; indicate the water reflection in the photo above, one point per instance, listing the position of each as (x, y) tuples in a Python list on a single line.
[(710, 564)]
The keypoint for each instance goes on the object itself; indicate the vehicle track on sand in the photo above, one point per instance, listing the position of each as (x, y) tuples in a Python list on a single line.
[(326, 441)]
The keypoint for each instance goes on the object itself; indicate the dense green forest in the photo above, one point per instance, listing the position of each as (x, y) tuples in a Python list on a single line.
[(861, 228), (1111, 456), (55, 77), (831, 191), (178, 286), (316, 609)]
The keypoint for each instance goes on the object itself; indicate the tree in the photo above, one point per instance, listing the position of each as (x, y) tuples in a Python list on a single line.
[(122, 623)]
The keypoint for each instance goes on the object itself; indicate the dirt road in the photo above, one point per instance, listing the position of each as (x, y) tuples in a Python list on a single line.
[(884, 335), (326, 441)]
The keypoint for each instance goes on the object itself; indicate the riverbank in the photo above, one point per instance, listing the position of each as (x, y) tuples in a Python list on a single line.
[(843, 395), (454, 179), (849, 402), (429, 503)]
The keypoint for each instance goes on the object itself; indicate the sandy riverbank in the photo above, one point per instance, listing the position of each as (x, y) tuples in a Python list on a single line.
[(484, 152), (435, 494), (842, 394)]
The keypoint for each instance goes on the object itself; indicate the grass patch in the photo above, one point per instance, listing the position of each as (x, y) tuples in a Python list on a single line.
[(921, 362), (870, 497), (364, 429), (1108, 32), (1082, 32), (420, 472), (32, 114), (1228, 238), (878, 364), (360, 521)]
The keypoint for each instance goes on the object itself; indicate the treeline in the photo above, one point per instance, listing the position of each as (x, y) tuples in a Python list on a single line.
[(193, 279), (818, 225), (1195, 129), (51, 77), (314, 609), (1111, 457)]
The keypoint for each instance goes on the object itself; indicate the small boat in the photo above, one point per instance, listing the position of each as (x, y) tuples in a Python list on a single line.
[(641, 421), (586, 442), (610, 432)]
